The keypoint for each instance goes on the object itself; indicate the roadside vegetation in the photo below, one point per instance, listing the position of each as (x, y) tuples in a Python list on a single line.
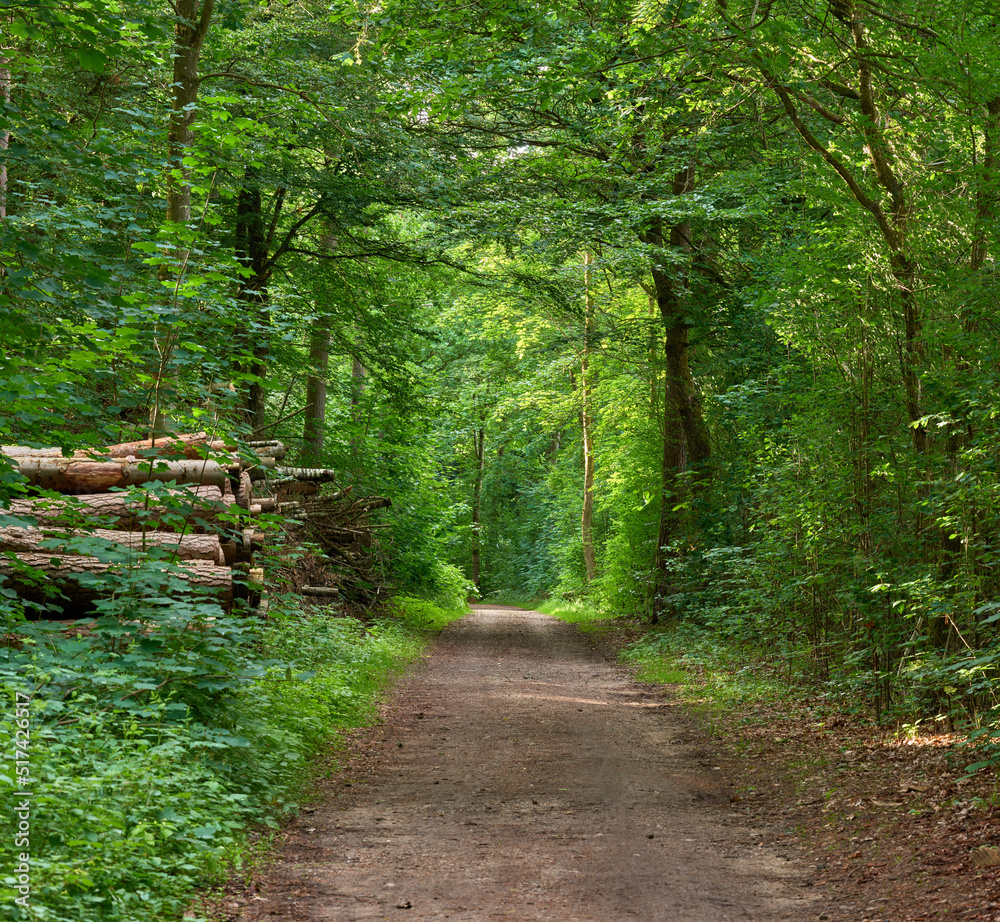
[(160, 751)]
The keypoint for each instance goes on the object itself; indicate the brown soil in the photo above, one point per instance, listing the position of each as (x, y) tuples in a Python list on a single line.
[(519, 775)]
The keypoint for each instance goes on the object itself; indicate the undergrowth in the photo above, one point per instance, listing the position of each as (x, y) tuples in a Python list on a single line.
[(581, 612), (708, 671), (154, 747)]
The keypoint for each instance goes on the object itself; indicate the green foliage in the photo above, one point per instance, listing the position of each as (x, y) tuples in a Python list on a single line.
[(427, 616), (709, 671), (573, 611), (155, 747)]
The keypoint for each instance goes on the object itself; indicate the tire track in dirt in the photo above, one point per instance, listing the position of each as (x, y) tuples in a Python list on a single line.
[(521, 777)]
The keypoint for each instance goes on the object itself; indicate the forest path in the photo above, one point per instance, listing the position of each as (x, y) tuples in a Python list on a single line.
[(519, 776)]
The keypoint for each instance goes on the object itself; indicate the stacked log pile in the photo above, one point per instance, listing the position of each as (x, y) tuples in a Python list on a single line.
[(197, 510), (202, 522)]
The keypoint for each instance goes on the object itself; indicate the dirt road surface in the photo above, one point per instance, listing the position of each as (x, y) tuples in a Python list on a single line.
[(519, 776)]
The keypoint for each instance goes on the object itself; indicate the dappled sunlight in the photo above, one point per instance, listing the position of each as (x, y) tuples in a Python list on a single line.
[(565, 699), (527, 696), (925, 741)]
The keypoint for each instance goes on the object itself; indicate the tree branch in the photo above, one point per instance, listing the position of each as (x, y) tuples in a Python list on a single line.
[(845, 174)]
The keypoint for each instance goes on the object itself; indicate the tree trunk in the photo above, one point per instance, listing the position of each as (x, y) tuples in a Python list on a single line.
[(653, 349), (892, 218), (190, 29), (987, 198), (314, 425), (988, 189), (685, 435), (251, 244), (359, 383), (479, 447), (5, 134), (192, 20), (587, 425)]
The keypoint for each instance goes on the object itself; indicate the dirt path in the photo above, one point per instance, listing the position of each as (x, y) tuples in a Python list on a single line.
[(519, 776)]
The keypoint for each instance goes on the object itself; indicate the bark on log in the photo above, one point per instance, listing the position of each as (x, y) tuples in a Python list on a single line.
[(244, 493), (64, 572), (185, 547), (126, 510), (297, 488), (270, 449), (323, 592), (192, 446), (23, 451), (239, 550), (313, 474), (72, 475), (234, 553), (259, 471)]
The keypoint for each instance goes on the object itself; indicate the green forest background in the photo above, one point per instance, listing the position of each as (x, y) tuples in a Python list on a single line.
[(684, 309)]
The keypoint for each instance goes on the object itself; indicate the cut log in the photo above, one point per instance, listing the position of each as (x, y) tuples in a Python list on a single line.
[(191, 445), (244, 492), (270, 449), (23, 451), (71, 475), (298, 488), (234, 552), (125, 510), (324, 592), (185, 547), (314, 474), (259, 470), (72, 576)]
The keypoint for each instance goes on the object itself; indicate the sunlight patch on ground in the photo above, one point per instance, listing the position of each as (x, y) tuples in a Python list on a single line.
[(526, 696), (927, 741)]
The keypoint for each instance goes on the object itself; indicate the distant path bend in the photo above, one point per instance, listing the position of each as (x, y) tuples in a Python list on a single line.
[(520, 777)]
